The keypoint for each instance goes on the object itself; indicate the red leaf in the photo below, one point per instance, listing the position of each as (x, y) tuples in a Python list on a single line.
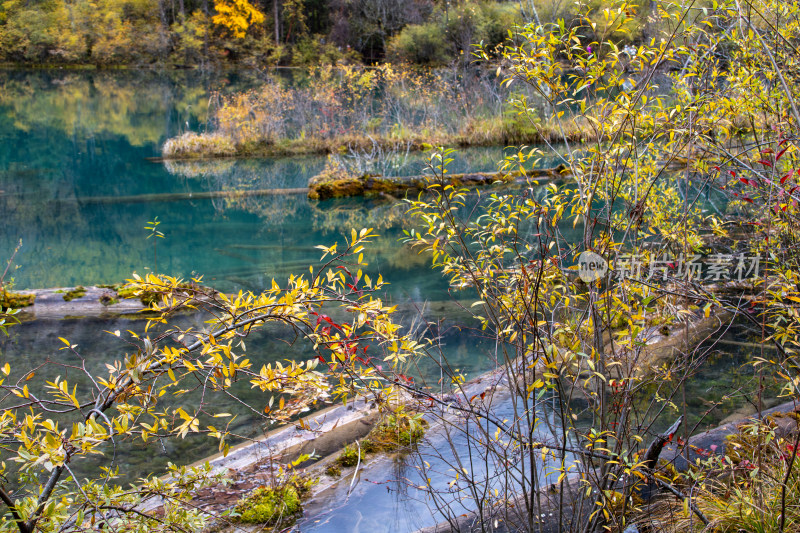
[(783, 179), (765, 163), (780, 154), (767, 151), (734, 173), (747, 199)]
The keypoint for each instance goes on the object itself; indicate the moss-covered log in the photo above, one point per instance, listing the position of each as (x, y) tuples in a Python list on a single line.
[(340, 185), (90, 301), (15, 300)]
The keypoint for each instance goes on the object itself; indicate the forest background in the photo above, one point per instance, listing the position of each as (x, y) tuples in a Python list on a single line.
[(217, 33)]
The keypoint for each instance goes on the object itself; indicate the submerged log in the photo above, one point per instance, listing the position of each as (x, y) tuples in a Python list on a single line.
[(323, 188), (561, 514), (181, 196), (95, 301)]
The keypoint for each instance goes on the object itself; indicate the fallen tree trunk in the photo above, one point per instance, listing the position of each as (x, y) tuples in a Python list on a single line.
[(698, 447), (323, 188), (181, 196)]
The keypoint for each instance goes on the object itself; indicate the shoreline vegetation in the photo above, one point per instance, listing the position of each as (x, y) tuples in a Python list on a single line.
[(386, 107), (197, 146), (380, 112)]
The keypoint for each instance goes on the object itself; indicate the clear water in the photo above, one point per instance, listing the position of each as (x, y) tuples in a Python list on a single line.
[(387, 494), (33, 342), (76, 187), (71, 145)]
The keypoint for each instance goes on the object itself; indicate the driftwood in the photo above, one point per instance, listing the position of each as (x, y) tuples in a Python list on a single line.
[(92, 301), (654, 450), (342, 187)]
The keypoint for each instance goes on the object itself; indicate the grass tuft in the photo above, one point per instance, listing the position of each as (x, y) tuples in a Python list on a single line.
[(276, 506), (194, 145), (350, 456), (77, 292), (270, 506), (15, 300)]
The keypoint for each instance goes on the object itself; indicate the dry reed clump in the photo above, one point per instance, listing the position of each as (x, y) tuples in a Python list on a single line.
[(192, 144), (326, 108), (338, 108), (199, 169)]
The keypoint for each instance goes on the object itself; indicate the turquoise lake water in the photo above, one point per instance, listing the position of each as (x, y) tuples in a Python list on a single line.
[(73, 155), (76, 186)]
